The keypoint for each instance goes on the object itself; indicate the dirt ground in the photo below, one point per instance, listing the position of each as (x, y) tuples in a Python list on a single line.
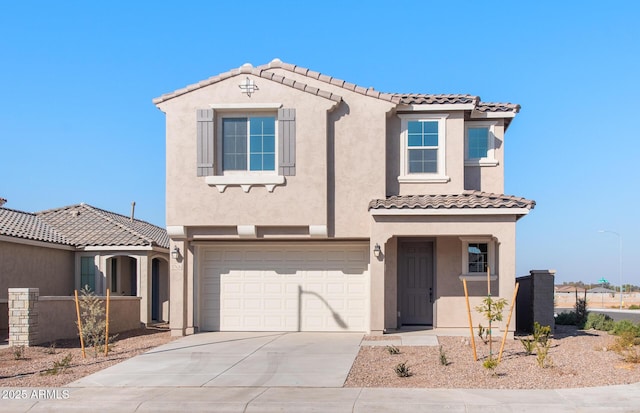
[(35, 366)]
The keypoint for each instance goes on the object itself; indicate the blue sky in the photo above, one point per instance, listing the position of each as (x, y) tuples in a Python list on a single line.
[(77, 78)]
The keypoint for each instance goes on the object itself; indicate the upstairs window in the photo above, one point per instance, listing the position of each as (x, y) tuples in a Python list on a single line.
[(249, 144), (480, 144), (422, 155), (423, 146)]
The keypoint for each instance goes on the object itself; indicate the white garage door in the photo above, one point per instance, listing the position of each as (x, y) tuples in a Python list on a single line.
[(292, 287)]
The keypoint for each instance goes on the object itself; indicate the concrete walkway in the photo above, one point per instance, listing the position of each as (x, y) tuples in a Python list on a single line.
[(283, 372), (238, 359)]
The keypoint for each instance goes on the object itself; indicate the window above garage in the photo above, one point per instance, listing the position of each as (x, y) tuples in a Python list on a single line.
[(246, 146)]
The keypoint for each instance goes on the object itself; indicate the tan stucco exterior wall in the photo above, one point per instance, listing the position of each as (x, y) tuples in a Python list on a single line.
[(28, 266)]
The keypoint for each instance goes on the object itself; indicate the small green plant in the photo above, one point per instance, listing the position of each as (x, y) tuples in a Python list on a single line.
[(626, 346), (542, 354), (634, 307), (483, 333), (529, 345), (443, 357), (393, 349), (490, 364), (599, 321), (541, 333), (566, 319), (402, 370), (624, 326), (18, 352), (59, 366)]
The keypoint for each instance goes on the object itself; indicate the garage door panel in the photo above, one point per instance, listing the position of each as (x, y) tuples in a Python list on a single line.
[(285, 288)]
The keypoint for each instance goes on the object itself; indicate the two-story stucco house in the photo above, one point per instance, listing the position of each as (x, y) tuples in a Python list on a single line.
[(301, 202)]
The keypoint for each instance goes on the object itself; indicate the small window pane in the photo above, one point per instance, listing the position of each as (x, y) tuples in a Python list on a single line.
[(269, 162), (415, 127), (478, 257), (478, 142), (256, 162), (430, 127), (423, 161), (234, 144), (415, 140), (431, 140)]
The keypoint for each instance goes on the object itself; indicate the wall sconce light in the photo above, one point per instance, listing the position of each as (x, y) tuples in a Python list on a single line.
[(376, 250), (175, 254)]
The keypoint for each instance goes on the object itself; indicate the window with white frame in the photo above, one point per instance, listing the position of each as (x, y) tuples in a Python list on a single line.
[(478, 257), (480, 144), (249, 143), (422, 155)]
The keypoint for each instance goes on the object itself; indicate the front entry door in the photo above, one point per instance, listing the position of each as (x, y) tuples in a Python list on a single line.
[(415, 278)]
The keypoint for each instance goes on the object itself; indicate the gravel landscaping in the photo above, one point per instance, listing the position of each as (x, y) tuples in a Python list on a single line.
[(578, 359), (31, 369)]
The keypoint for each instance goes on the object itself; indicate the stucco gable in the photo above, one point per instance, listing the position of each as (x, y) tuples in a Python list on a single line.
[(248, 69)]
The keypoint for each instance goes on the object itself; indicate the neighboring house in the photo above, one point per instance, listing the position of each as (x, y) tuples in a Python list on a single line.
[(64, 249), (300, 202)]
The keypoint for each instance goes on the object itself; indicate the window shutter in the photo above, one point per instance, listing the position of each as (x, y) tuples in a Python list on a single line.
[(205, 141), (287, 141)]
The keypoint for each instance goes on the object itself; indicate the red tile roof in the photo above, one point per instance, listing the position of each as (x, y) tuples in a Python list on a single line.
[(465, 200)]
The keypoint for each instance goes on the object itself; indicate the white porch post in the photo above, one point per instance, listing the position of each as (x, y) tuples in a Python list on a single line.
[(144, 289), (178, 289)]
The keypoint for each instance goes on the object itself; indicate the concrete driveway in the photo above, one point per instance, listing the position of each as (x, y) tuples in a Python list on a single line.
[(238, 360)]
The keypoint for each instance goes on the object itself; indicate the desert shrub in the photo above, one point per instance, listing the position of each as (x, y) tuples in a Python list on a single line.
[(541, 333), (599, 321), (626, 345), (634, 307), (483, 333), (59, 366), (443, 357), (402, 370), (581, 310), (18, 352), (566, 319), (393, 350), (490, 364), (529, 345), (623, 326), (93, 315)]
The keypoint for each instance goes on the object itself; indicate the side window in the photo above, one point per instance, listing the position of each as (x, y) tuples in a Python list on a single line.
[(478, 257), (87, 273), (480, 144)]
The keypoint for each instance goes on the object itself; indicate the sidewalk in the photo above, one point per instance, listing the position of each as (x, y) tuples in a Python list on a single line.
[(293, 399)]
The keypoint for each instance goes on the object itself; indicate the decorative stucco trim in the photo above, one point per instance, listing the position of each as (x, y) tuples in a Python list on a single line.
[(436, 107), (124, 248), (318, 231), (177, 231), (245, 181), (245, 106), (474, 277), (247, 231)]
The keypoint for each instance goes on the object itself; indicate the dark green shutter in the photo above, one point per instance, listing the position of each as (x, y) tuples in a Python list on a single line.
[(205, 141)]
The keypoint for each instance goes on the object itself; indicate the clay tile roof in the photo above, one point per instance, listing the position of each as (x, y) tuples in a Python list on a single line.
[(265, 72), (498, 107), (425, 99), (85, 225), (466, 200), (28, 226)]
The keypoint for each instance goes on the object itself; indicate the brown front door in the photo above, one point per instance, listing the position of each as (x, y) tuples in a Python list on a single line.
[(415, 278)]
